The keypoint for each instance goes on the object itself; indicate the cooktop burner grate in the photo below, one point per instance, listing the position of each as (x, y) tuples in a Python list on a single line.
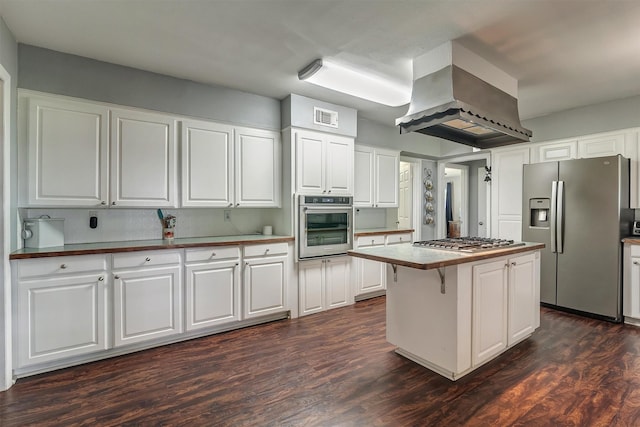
[(467, 244)]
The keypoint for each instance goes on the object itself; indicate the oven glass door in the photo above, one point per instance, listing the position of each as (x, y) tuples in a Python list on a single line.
[(324, 231)]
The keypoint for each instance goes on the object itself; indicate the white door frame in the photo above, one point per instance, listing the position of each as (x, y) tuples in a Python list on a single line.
[(416, 198), (6, 366), (486, 156)]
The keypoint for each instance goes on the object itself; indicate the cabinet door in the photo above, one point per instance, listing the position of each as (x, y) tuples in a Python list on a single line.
[(632, 288), (522, 298), (311, 279), (207, 164), (257, 168), (339, 165), (387, 177), (264, 286), (212, 293), (489, 335), (61, 317), (601, 145), (310, 161), (147, 304), (143, 160), (506, 199), (68, 153), (338, 282), (363, 177), (370, 276), (554, 151)]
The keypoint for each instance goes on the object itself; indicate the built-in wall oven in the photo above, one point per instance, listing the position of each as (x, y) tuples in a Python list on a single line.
[(324, 225)]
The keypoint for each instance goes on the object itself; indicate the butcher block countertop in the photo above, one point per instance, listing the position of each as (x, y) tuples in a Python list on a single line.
[(144, 245), (632, 240), (422, 258)]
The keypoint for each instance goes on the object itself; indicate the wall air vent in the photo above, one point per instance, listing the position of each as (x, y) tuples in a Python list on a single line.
[(325, 117)]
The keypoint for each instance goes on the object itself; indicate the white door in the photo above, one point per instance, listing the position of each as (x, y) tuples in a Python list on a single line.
[(147, 304), (489, 335), (67, 153), (311, 286), (339, 165), (264, 286), (522, 297), (61, 317), (207, 164), (310, 163), (387, 175), (257, 168), (405, 207), (212, 293), (482, 203), (363, 177), (506, 192), (143, 160), (338, 282)]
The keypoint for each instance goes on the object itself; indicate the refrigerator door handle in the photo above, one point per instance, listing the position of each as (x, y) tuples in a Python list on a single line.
[(554, 202), (560, 218)]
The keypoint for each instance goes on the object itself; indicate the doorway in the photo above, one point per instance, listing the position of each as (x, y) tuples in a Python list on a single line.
[(405, 199)]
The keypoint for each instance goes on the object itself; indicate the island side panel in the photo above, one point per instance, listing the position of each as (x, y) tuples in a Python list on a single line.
[(433, 326)]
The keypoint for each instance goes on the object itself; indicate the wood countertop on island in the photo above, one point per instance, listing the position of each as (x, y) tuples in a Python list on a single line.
[(422, 258)]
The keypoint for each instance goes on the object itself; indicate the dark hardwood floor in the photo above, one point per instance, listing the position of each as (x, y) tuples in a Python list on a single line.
[(336, 369)]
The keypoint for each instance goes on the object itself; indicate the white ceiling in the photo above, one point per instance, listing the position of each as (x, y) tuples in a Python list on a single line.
[(564, 53)]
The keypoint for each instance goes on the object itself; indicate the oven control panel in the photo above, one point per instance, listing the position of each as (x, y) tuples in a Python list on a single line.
[(326, 200)]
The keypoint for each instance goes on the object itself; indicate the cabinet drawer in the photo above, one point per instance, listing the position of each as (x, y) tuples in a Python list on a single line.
[(635, 250), (266, 249), (212, 254), (143, 259), (363, 241), (399, 238), (61, 265)]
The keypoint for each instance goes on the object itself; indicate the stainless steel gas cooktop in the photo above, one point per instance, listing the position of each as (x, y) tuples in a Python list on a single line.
[(467, 244)]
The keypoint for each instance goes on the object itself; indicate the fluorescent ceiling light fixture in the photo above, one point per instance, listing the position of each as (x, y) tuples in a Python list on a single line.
[(367, 86)]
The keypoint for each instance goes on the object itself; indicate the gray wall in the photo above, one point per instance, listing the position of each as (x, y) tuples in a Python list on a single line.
[(607, 116), (60, 73), (297, 111), (9, 60)]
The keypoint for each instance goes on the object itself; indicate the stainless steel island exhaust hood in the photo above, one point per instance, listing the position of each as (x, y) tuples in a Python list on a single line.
[(454, 104)]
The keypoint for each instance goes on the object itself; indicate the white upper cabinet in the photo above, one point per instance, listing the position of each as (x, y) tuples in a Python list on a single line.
[(324, 163), (376, 177), (554, 151), (223, 166), (67, 153), (207, 164), (601, 145), (143, 159), (257, 168)]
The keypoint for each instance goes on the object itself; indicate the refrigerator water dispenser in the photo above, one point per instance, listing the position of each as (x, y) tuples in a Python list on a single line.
[(539, 212)]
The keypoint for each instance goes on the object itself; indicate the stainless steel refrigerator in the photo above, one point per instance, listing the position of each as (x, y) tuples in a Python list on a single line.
[(580, 210)]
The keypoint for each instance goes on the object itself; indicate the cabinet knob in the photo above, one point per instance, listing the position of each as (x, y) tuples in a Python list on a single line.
[(324, 191), (116, 277), (147, 259), (328, 260), (100, 279), (329, 191), (237, 204), (212, 254), (506, 265), (63, 266), (513, 263), (636, 262), (373, 241), (237, 264), (113, 203), (103, 203), (230, 204), (266, 251)]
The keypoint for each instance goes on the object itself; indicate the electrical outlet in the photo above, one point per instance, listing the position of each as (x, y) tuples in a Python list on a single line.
[(227, 215)]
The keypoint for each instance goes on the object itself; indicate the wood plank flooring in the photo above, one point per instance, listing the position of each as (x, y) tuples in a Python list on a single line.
[(336, 369)]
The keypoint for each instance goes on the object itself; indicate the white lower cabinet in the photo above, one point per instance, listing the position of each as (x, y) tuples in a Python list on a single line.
[(504, 305), (62, 308), (631, 284), (212, 283), (324, 284), (265, 279), (147, 296)]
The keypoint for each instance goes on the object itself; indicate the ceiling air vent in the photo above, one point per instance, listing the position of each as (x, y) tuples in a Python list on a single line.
[(325, 117)]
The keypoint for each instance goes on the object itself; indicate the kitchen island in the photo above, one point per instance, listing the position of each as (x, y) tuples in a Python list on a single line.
[(452, 312)]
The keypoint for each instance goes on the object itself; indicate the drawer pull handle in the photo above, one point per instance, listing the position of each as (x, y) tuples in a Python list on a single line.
[(116, 277), (147, 259), (100, 279), (63, 266)]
